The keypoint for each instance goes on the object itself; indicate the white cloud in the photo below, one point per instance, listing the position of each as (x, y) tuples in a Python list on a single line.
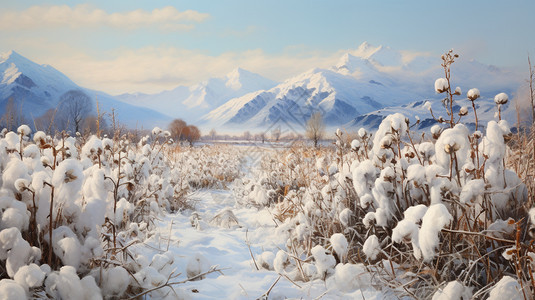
[(83, 15), (153, 69)]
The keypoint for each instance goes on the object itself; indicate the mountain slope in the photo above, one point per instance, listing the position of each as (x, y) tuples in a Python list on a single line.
[(192, 102), (358, 89), (36, 88)]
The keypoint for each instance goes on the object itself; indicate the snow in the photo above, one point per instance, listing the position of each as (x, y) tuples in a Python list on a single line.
[(371, 247), (436, 218), (441, 85), (454, 290), (473, 94), (506, 288), (9, 289), (501, 98)]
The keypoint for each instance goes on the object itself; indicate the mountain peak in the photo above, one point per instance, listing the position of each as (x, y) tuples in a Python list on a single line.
[(12, 56)]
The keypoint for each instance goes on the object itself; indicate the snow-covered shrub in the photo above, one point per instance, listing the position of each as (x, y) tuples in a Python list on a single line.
[(445, 205)]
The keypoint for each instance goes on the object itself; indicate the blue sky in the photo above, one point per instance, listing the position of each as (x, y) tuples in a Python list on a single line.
[(110, 45)]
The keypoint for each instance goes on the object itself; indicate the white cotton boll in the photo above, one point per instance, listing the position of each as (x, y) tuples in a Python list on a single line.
[(508, 253), (501, 98), (39, 137), (350, 277), (32, 151), (371, 247), (362, 132), (9, 289), (160, 261), (310, 270), (197, 264), (405, 230), (473, 94), (458, 91), (506, 288), (338, 132), (17, 250), (454, 290), (416, 173), (281, 262), (115, 281), (68, 179), (90, 288), (463, 111), (123, 210), (339, 245), (441, 85), (436, 130), (64, 284), (368, 219), (471, 190), (24, 130), (30, 276), (156, 131), (15, 216), (436, 218), (46, 269), (69, 250), (266, 260), (363, 177), (91, 248), (93, 214), (415, 213), (324, 261), (355, 144), (92, 146), (345, 216), (14, 170)]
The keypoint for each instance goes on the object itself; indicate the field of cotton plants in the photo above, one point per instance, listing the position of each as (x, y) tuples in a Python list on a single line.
[(441, 214)]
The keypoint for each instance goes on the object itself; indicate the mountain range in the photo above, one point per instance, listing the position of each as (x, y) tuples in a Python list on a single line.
[(358, 91), (37, 88)]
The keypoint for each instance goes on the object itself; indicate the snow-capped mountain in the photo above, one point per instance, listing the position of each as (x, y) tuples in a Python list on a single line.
[(355, 90), (192, 102), (339, 97), (36, 88)]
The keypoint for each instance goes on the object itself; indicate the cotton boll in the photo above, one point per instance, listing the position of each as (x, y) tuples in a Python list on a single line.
[(9, 289), (473, 94), (441, 85), (339, 245), (91, 248), (501, 99), (325, 262), (15, 217), (15, 169), (345, 216), (64, 284), (281, 262), (371, 247), (30, 276), (115, 281), (90, 288), (349, 277), (197, 265), (436, 218), (266, 260), (454, 290), (310, 270), (471, 190), (506, 288), (24, 130), (415, 213), (405, 230), (69, 250), (67, 180)]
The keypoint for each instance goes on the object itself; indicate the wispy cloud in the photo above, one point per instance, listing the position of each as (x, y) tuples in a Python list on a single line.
[(153, 69), (83, 15)]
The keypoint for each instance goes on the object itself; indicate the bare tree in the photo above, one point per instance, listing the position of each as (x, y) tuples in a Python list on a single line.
[(192, 134), (13, 116), (315, 128), (177, 129), (74, 106), (276, 134)]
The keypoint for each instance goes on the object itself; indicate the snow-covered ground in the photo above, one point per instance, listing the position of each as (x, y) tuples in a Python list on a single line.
[(227, 247)]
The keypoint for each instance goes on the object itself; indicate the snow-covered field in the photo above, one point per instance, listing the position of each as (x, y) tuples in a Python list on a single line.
[(390, 214)]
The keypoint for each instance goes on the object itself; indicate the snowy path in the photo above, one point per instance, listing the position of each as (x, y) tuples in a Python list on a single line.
[(228, 249)]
